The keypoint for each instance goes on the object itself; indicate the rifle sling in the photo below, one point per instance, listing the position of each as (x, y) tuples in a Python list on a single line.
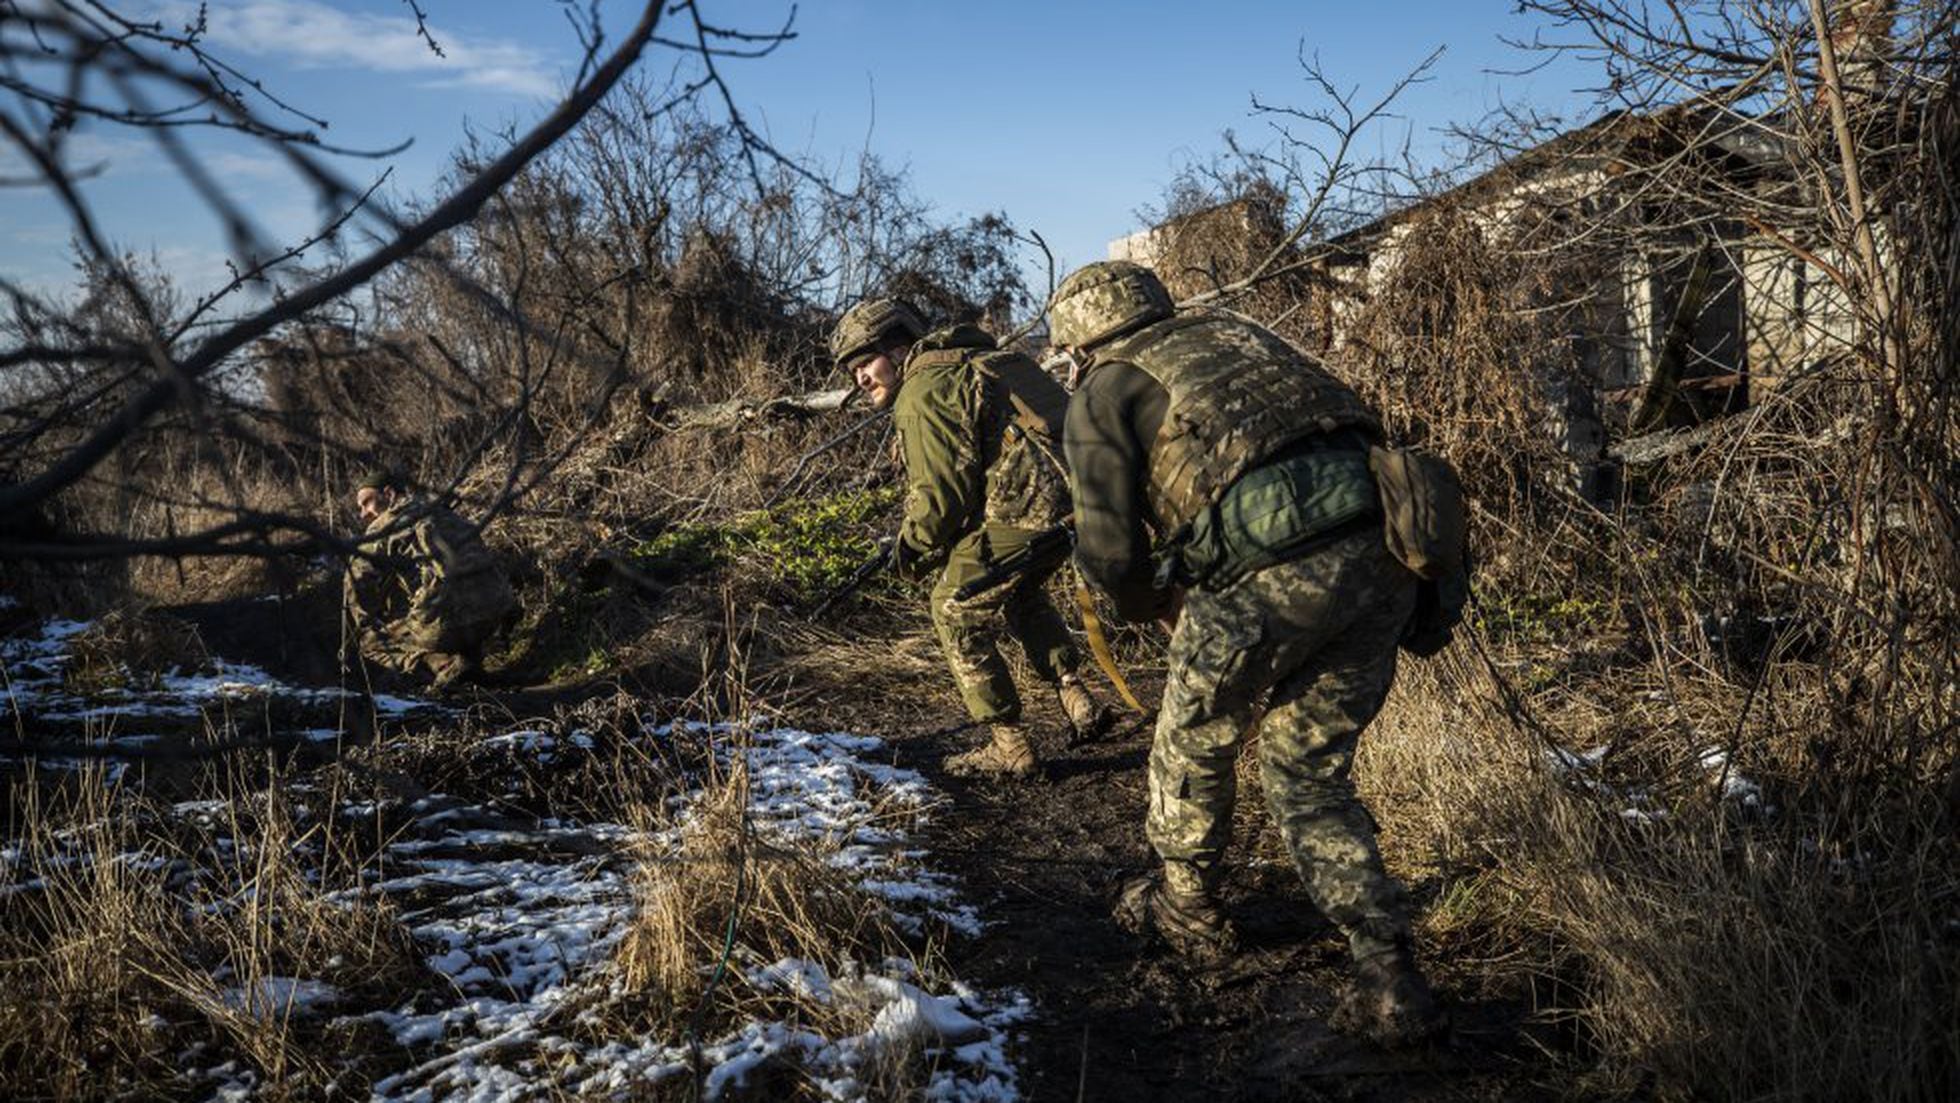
[(1099, 646)]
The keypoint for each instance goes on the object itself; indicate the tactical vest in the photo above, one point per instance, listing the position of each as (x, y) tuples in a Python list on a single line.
[(1018, 430), (1238, 395)]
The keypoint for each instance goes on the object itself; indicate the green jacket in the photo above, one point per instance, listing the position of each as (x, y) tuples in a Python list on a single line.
[(980, 431)]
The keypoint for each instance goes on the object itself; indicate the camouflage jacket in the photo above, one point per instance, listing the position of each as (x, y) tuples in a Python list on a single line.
[(980, 432), (1169, 418), (427, 567)]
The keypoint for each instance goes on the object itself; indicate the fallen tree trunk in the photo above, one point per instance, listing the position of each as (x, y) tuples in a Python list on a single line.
[(742, 411), (1651, 447)]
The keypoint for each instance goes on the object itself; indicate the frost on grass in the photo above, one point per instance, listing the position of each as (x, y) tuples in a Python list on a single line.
[(527, 943), (519, 919)]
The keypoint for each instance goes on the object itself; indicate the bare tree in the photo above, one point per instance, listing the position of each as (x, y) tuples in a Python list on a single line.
[(85, 387)]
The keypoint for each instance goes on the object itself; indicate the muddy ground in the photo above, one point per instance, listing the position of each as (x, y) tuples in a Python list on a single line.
[(1118, 1020), (1125, 1021)]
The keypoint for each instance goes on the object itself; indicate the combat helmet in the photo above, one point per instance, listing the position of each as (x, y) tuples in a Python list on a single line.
[(872, 323), (1104, 300)]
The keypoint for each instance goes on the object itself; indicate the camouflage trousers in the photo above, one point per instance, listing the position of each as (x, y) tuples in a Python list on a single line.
[(1316, 637), (417, 642), (970, 632)]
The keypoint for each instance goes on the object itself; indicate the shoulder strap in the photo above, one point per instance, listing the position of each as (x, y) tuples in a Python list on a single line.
[(1032, 424)]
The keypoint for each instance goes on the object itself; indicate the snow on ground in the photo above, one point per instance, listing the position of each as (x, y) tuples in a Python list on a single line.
[(522, 920), (526, 943), (1582, 768), (32, 679)]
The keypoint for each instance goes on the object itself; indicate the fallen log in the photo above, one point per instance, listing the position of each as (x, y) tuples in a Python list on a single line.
[(1653, 447), (743, 411)]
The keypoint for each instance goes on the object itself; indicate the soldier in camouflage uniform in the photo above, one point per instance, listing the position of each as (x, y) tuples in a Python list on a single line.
[(429, 593), (1211, 461), (979, 429)]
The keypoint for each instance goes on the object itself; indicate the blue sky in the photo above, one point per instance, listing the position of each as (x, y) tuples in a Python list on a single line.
[(1068, 117)]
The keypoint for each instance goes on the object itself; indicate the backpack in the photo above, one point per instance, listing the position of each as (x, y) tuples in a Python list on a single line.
[(1425, 524)]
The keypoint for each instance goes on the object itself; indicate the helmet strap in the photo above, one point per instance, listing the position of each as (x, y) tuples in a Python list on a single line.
[(1079, 363)]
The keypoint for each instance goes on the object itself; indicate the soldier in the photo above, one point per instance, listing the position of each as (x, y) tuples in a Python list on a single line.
[(1245, 465), (979, 430), (428, 593)]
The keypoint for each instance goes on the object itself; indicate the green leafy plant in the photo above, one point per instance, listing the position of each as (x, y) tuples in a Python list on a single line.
[(804, 547)]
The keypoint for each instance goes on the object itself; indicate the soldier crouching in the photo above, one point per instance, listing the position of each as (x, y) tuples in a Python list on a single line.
[(1212, 460), (426, 594), (979, 429)]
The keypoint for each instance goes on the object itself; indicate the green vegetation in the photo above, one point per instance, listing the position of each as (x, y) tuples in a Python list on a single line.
[(1528, 617), (564, 637), (805, 547)]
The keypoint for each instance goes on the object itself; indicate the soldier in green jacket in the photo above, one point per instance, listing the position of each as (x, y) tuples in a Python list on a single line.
[(427, 593), (1219, 468), (979, 429)]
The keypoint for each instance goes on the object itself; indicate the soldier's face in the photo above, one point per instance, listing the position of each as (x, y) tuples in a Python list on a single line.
[(372, 502), (877, 377)]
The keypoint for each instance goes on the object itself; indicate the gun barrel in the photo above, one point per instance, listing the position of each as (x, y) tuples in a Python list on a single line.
[(857, 580), (1036, 552)]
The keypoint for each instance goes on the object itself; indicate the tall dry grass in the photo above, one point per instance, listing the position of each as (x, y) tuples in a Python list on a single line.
[(715, 900), (129, 939), (1694, 947)]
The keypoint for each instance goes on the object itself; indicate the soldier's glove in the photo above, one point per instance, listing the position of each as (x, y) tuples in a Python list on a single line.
[(912, 564), (905, 561)]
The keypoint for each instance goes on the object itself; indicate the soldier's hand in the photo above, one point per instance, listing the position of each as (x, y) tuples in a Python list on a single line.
[(1173, 608), (905, 559)]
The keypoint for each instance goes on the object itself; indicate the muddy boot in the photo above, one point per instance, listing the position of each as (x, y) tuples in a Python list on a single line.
[(1088, 718), (1389, 1001), (1011, 754), (1190, 924)]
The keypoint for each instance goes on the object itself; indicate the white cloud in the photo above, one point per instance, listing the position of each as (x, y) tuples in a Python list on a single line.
[(232, 165), (310, 34), (92, 154)]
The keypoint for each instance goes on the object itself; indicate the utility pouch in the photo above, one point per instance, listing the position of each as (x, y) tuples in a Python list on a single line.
[(1423, 515), (1426, 527), (1276, 512)]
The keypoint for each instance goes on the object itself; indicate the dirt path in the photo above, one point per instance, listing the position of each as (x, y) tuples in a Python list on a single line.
[(1120, 1021), (1117, 1020)]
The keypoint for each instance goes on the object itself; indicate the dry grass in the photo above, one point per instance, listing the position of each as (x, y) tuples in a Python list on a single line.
[(129, 642), (140, 939), (722, 901), (1695, 947)]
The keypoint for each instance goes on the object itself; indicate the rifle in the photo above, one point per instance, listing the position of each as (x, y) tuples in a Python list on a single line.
[(1048, 546), (863, 574)]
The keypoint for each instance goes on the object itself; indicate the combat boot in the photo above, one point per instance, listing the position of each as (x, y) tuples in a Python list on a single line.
[(1189, 923), (1088, 718), (1389, 1001), (1011, 754), (450, 671)]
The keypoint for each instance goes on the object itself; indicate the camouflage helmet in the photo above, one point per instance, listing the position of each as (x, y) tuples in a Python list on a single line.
[(872, 323), (1104, 300)]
